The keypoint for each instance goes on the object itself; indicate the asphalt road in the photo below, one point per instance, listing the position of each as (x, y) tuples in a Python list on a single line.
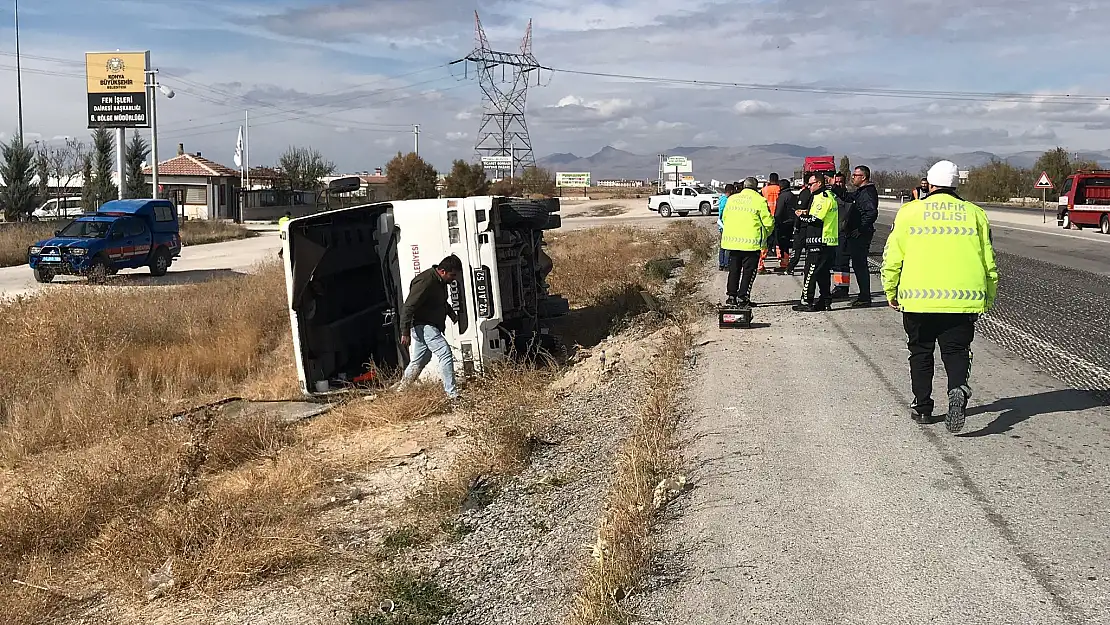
[(817, 500), (197, 263)]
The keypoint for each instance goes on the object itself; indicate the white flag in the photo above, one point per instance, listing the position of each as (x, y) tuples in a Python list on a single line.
[(239, 149)]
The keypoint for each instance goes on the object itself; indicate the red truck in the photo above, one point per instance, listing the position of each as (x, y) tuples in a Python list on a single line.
[(1085, 201), (817, 165)]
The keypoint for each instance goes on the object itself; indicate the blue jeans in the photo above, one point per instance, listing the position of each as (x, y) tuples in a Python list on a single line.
[(427, 340)]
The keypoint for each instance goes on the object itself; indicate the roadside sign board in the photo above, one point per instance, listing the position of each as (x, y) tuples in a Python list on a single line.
[(572, 179), (117, 89), (677, 161), (497, 162), (1044, 182)]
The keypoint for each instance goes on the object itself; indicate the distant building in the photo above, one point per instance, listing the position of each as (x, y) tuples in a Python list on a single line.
[(202, 188), (621, 182)]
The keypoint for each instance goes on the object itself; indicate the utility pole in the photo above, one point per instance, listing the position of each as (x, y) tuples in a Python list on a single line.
[(416, 138), (121, 140), (152, 89), (18, 74)]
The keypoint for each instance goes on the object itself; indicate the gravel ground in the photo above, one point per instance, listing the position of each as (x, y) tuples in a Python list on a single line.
[(521, 562)]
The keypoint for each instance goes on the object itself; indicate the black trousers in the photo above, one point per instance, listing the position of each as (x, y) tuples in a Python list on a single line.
[(745, 264), (954, 332), (799, 244), (819, 262), (858, 249)]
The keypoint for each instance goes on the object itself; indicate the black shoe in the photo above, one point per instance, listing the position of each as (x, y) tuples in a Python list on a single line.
[(859, 303), (957, 408), (732, 301), (922, 411), (823, 305), (840, 292), (722, 268), (745, 303)]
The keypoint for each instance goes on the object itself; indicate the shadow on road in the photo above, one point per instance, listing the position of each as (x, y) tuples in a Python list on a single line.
[(1017, 410)]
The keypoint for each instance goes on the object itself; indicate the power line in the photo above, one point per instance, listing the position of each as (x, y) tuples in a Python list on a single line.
[(972, 96)]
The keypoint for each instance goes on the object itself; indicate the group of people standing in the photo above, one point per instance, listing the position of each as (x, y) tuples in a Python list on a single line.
[(828, 225), (938, 266)]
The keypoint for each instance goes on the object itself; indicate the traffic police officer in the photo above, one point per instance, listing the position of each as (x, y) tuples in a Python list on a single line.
[(747, 230), (281, 225), (939, 270), (822, 234)]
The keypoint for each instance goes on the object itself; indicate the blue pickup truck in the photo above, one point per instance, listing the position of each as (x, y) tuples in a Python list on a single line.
[(121, 234)]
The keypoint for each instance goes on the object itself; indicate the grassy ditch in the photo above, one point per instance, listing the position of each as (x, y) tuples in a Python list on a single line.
[(98, 482), (646, 476), (15, 238)]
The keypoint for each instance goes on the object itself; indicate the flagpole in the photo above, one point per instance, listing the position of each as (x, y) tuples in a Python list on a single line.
[(247, 149)]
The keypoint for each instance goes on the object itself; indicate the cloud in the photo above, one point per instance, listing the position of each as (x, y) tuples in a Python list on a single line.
[(758, 108), (351, 77)]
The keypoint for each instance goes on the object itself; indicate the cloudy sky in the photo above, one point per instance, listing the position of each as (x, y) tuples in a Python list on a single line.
[(351, 77)]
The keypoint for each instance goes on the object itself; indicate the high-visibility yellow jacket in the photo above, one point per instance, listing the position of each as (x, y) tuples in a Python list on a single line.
[(939, 257), (826, 209), (747, 222), (282, 220)]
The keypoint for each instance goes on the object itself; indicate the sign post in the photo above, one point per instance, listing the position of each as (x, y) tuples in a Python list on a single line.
[(1044, 183), (117, 96)]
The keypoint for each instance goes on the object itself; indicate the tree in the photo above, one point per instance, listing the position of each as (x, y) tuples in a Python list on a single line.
[(411, 177), (466, 180), (846, 166), (42, 172), (1057, 164), (302, 168), (20, 194), (63, 164), (998, 181), (538, 181), (136, 185), (508, 187), (88, 187), (99, 187)]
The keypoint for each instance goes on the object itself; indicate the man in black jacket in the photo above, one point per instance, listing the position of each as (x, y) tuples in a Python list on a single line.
[(804, 199), (424, 320), (785, 206), (861, 230)]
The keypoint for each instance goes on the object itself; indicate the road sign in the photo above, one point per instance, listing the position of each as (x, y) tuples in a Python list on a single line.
[(677, 161), (117, 89), (572, 179), (1044, 182), (497, 162)]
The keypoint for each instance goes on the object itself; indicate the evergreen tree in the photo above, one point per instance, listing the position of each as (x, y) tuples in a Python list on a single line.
[(104, 189), (20, 194), (136, 185)]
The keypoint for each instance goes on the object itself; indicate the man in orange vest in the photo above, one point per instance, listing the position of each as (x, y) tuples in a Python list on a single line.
[(771, 194)]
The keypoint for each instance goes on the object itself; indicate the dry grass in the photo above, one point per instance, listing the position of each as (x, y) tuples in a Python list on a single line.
[(594, 266), (623, 551), (99, 482), (15, 238)]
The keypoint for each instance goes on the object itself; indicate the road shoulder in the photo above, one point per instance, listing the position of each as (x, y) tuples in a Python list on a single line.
[(818, 500)]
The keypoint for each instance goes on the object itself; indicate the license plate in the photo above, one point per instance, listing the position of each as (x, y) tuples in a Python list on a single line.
[(51, 259)]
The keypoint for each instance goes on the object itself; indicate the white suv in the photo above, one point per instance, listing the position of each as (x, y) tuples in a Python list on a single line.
[(685, 200)]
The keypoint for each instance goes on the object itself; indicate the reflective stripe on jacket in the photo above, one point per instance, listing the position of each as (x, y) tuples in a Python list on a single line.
[(939, 257), (747, 222), (825, 209)]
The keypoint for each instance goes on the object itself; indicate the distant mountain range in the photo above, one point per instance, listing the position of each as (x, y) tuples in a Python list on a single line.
[(724, 163)]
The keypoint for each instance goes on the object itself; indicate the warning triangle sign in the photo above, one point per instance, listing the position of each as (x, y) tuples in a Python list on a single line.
[(1044, 182)]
